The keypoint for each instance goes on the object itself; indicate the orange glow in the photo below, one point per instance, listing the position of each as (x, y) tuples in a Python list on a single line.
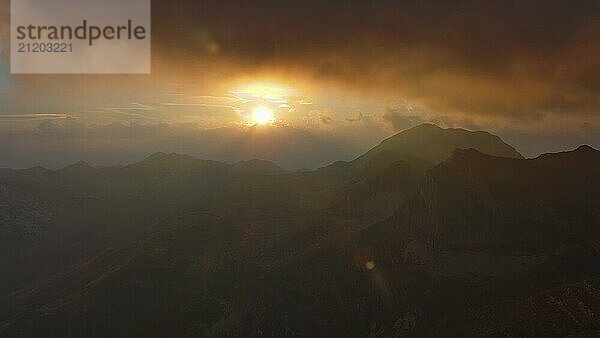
[(269, 91)]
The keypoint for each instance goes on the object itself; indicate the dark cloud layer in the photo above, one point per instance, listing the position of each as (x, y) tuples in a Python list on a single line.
[(482, 58), (474, 57)]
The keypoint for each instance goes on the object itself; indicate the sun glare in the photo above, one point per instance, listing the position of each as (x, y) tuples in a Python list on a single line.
[(270, 91), (262, 116), (269, 99)]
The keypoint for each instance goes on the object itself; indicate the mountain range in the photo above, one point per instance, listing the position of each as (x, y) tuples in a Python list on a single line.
[(433, 233)]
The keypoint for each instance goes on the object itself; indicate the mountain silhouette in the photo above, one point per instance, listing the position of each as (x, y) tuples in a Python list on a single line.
[(422, 147), (434, 232), (431, 144)]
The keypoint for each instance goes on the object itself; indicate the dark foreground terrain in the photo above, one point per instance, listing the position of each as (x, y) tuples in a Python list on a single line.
[(435, 232)]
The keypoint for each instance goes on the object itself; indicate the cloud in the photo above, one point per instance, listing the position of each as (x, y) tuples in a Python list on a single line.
[(403, 116), (496, 59), (527, 67), (33, 117), (327, 120), (499, 59), (361, 118), (319, 119)]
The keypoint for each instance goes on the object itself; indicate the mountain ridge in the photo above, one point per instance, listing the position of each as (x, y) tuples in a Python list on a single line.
[(421, 131), (445, 141), (391, 246)]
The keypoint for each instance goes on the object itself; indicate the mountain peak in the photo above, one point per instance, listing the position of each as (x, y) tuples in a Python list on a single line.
[(585, 148), (424, 126), (37, 169), (582, 153), (160, 157), (81, 165), (429, 144)]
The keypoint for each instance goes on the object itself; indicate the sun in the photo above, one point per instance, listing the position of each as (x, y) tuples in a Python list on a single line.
[(268, 99), (262, 116)]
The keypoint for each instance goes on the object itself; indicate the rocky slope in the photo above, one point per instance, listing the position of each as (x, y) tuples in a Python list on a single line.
[(476, 245)]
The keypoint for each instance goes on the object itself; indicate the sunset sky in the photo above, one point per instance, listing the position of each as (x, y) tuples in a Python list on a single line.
[(328, 79)]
